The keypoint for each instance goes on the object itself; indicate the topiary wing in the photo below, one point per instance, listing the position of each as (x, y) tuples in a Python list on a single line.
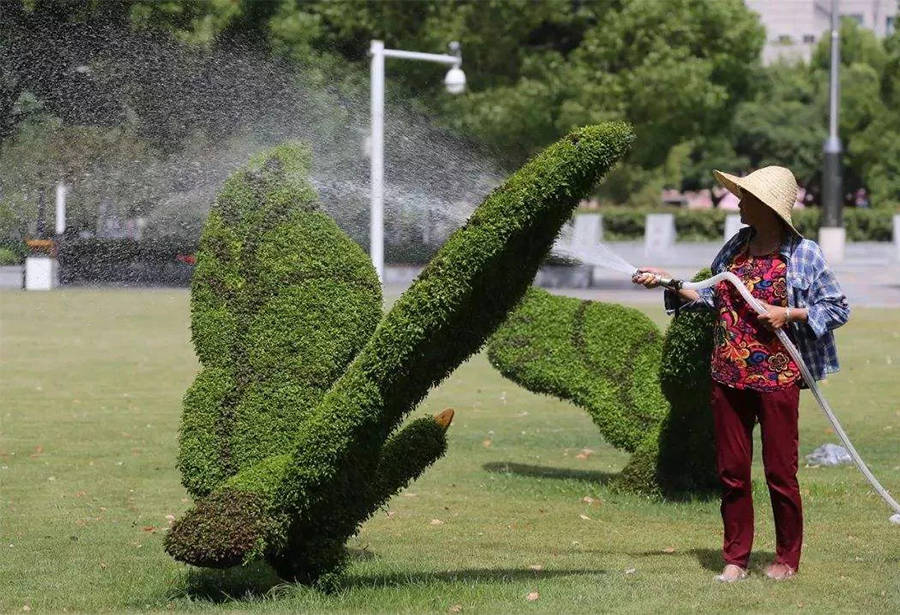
[(603, 357), (281, 302)]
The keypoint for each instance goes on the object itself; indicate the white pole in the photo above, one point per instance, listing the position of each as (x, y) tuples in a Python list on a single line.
[(60, 207), (376, 222), (832, 234)]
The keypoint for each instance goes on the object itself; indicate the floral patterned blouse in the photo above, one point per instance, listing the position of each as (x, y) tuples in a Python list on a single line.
[(746, 355)]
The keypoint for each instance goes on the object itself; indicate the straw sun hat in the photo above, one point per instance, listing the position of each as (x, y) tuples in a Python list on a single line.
[(774, 186)]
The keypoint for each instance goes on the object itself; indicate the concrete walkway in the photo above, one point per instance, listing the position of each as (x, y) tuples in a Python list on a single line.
[(869, 275)]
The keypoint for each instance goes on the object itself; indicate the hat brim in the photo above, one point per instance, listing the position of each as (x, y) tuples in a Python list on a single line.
[(732, 183)]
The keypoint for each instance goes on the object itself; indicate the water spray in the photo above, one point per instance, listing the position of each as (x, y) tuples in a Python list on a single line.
[(732, 279)]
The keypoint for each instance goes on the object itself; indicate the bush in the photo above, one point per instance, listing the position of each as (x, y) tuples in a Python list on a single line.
[(709, 224), (315, 498), (648, 396), (9, 257), (125, 261), (623, 225)]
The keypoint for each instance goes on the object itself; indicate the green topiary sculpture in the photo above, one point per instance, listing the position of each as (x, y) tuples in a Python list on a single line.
[(648, 395), (281, 301), (298, 508)]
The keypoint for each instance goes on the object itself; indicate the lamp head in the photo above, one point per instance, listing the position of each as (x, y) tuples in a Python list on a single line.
[(455, 81)]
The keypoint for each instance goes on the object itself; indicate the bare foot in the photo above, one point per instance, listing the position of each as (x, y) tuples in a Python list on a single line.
[(779, 571), (732, 573)]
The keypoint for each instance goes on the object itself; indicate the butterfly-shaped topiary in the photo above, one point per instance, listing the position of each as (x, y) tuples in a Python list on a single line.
[(288, 439)]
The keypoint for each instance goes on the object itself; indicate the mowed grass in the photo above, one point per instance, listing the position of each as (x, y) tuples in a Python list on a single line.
[(92, 383)]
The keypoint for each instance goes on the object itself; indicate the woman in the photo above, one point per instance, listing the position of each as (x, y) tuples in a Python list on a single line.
[(754, 379)]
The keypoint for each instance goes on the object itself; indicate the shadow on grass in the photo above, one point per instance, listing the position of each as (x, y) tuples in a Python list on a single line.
[(711, 559), (522, 469), (474, 575), (259, 582), (239, 584), (699, 494)]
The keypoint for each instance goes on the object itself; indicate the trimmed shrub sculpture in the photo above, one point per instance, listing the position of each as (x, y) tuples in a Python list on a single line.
[(281, 301), (297, 507), (648, 395)]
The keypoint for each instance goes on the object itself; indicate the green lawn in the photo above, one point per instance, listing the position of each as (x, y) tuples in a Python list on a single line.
[(92, 381)]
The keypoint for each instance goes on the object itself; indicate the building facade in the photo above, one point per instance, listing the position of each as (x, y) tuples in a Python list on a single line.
[(794, 27)]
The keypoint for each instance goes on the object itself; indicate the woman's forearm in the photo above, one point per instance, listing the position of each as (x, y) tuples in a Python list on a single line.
[(688, 295), (798, 315)]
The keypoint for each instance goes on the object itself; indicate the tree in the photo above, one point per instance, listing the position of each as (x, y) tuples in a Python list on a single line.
[(783, 123), (93, 160), (869, 123), (675, 70)]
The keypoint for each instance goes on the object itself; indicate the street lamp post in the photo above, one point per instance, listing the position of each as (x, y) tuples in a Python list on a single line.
[(454, 81), (832, 235)]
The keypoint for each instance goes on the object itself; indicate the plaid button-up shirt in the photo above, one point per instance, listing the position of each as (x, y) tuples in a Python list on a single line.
[(811, 284)]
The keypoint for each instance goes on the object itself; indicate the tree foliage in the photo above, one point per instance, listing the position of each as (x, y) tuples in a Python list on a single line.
[(786, 121)]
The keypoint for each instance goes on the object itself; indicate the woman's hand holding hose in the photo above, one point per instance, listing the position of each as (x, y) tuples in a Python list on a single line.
[(649, 277), (778, 317)]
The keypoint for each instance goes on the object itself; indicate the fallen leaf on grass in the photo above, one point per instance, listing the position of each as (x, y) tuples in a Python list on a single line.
[(531, 597)]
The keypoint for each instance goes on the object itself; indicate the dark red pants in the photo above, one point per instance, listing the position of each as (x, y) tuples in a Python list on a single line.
[(735, 411)]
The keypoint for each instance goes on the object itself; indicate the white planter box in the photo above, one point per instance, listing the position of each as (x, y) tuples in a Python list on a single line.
[(41, 273)]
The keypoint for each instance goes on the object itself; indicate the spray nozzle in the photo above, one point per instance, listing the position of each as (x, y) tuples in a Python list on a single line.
[(670, 283)]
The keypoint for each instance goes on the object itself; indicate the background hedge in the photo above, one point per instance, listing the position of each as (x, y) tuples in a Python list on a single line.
[(312, 500), (621, 224), (126, 261)]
